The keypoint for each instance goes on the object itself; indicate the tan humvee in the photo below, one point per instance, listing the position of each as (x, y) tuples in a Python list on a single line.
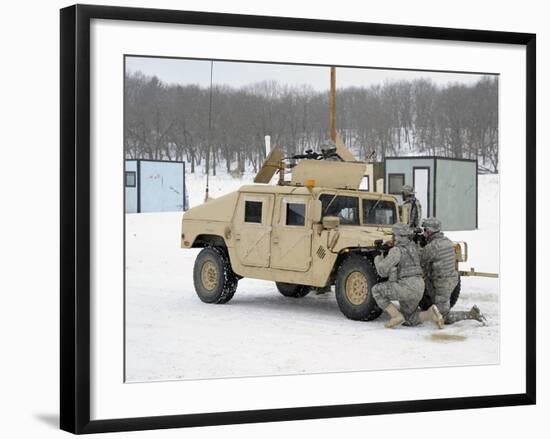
[(311, 232)]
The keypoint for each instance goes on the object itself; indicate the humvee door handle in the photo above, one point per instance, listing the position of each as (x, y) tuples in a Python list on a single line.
[(237, 236), (275, 240)]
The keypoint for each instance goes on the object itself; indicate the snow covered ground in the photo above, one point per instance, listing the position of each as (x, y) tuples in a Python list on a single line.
[(171, 334)]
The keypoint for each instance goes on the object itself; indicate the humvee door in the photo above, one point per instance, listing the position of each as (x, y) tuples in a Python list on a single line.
[(291, 237), (252, 225)]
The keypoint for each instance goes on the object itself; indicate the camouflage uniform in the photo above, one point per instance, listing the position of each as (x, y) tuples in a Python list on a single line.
[(412, 205), (473, 314), (405, 283), (438, 261)]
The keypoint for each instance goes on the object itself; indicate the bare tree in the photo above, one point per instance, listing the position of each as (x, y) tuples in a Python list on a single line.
[(179, 122)]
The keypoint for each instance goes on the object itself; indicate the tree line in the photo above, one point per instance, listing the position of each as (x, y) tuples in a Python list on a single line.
[(226, 126)]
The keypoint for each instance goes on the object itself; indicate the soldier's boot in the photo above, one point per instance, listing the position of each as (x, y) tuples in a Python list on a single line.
[(396, 318), (432, 314), (473, 314)]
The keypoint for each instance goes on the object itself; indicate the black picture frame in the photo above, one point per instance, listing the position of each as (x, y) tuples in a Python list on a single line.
[(75, 217)]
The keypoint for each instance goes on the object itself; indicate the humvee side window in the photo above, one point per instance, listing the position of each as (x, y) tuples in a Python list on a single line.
[(379, 212), (295, 214), (346, 208), (253, 212)]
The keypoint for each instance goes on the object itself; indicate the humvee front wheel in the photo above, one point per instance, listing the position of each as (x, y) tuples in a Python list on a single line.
[(213, 277), (354, 281), (292, 290)]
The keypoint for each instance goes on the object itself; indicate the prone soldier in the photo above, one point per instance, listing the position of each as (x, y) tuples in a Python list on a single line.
[(438, 261), (411, 209), (405, 282)]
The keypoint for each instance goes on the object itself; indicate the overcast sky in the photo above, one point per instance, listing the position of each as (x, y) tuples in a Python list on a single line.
[(238, 74)]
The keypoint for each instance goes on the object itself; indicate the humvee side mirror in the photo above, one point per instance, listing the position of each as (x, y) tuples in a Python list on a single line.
[(331, 222), (316, 208)]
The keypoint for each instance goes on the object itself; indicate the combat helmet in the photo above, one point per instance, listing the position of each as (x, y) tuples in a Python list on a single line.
[(407, 190), (400, 229), (432, 224)]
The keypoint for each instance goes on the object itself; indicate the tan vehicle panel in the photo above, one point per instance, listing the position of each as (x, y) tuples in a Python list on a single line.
[(324, 173), (269, 232), (252, 228), (291, 240), (192, 229), (215, 209)]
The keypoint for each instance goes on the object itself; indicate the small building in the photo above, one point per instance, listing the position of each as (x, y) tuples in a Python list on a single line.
[(446, 187), (155, 186)]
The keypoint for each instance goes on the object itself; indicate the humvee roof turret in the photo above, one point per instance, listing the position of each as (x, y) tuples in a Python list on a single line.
[(328, 174)]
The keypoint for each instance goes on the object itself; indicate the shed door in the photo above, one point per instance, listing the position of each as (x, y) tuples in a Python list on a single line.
[(421, 183)]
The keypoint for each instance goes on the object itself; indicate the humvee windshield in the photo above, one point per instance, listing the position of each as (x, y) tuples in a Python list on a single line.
[(379, 212), (346, 208)]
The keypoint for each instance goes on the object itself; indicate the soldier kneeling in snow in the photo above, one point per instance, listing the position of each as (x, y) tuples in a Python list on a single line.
[(438, 261), (405, 283)]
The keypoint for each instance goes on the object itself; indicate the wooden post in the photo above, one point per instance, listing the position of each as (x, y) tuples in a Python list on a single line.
[(332, 104)]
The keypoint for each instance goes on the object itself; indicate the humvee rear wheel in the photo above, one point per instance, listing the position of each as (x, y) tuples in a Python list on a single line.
[(354, 281), (292, 290), (426, 301), (213, 277)]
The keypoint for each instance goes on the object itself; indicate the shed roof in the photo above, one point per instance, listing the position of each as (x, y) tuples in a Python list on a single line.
[(428, 157)]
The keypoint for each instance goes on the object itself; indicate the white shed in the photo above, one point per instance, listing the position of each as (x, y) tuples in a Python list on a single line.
[(155, 186), (446, 187)]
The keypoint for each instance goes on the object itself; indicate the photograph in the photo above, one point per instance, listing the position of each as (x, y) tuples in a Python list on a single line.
[(272, 218), (291, 218), (266, 220)]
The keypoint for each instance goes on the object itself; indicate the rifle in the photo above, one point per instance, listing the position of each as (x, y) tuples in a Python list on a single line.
[(325, 154), (419, 237), (383, 247)]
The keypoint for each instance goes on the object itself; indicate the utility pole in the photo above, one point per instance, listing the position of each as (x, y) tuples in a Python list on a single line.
[(332, 104), (209, 135)]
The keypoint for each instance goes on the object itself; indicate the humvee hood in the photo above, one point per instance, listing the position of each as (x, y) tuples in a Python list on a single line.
[(216, 209)]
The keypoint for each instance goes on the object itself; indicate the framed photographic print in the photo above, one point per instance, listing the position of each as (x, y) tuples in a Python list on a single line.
[(274, 218)]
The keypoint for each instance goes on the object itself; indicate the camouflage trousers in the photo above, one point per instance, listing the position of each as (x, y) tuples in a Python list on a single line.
[(440, 291), (407, 291)]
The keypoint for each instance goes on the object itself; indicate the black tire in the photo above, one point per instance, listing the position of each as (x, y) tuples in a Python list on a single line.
[(293, 290), (356, 307), (213, 276), (426, 301)]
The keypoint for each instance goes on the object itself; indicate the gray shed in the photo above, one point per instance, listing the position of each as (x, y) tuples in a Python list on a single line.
[(154, 186), (446, 188)]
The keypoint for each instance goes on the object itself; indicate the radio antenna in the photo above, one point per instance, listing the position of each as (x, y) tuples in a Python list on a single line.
[(209, 133), (332, 104)]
